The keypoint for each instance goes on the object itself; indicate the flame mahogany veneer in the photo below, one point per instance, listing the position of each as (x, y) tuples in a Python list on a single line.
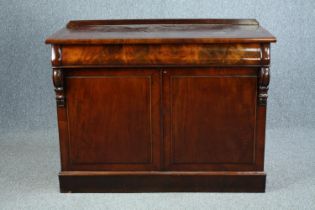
[(161, 105)]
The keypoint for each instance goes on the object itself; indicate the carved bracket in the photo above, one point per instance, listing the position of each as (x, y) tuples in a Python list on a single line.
[(55, 55), (265, 54), (264, 78), (58, 80)]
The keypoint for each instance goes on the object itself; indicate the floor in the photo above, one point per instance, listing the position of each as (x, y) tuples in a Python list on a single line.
[(29, 163)]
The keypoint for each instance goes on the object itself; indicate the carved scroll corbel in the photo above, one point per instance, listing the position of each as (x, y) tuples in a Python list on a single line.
[(58, 80), (265, 54), (264, 78), (55, 55)]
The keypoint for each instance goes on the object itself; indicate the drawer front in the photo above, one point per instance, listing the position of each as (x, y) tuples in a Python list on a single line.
[(166, 54), (113, 120), (210, 119)]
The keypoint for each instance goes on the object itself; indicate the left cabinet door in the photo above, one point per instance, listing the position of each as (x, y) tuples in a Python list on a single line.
[(113, 119)]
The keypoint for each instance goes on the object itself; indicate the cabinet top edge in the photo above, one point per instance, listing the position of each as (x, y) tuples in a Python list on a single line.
[(159, 31)]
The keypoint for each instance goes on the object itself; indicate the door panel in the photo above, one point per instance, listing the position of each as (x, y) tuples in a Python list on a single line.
[(210, 119), (114, 119)]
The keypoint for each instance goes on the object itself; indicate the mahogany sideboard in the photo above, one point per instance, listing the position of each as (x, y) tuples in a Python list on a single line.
[(161, 105)]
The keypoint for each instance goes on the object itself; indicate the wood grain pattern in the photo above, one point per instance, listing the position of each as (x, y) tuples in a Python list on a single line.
[(192, 54), (113, 120), (211, 116)]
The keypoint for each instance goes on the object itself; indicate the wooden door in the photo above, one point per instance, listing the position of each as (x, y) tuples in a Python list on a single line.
[(210, 119), (113, 119)]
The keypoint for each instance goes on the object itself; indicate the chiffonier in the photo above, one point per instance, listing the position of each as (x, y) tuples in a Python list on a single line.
[(161, 105)]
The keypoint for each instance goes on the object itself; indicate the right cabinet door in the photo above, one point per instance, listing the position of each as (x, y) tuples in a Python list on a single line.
[(210, 119)]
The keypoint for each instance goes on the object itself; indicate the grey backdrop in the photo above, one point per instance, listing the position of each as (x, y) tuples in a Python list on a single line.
[(26, 92), (29, 157)]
